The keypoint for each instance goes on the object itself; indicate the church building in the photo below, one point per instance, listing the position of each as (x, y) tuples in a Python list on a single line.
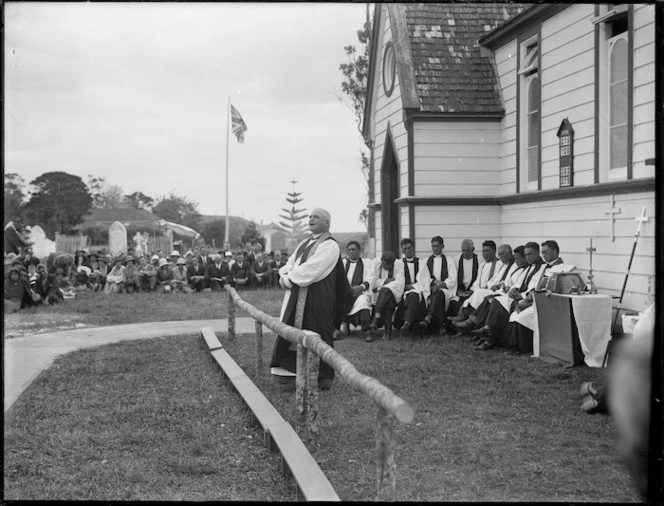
[(517, 123)]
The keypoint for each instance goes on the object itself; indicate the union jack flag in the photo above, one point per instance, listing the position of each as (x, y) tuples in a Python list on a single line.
[(238, 124)]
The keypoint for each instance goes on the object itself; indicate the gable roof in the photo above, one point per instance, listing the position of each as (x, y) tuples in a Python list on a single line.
[(439, 64), (450, 73)]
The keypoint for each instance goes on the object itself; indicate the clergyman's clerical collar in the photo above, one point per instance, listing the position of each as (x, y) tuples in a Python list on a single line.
[(438, 256), (353, 261), (314, 237)]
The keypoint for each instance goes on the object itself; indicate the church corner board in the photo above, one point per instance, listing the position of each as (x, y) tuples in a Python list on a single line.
[(516, 122)]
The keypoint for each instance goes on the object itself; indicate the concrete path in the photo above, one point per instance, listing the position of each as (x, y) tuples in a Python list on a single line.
[(26, 357)]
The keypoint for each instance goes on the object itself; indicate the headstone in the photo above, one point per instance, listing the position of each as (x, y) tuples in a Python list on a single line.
[(42, 246), (117, 239)]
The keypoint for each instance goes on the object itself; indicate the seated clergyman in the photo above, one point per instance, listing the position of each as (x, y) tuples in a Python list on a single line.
[(412, 307), (360, 273), (387, 291)]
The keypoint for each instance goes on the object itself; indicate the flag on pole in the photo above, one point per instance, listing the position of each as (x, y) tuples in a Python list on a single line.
[(238, 124)]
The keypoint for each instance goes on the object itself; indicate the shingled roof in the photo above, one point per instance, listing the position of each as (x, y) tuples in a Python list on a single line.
[(450, 74)]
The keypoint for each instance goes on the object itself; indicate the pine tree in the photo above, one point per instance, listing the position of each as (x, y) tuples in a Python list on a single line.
[(293, 218)]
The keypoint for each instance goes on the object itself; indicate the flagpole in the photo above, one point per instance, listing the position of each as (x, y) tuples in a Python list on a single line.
[(228, 132)]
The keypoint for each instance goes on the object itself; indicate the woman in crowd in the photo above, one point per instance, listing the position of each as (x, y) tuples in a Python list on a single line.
[(164, 276), (116, 278)]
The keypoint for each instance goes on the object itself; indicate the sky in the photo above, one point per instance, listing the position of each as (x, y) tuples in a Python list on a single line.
[(137, 93)]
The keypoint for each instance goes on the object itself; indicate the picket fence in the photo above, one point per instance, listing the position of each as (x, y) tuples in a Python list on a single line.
[(311, 348), (70, 243)]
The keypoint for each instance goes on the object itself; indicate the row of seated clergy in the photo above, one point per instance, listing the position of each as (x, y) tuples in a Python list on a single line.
[(508, 319)]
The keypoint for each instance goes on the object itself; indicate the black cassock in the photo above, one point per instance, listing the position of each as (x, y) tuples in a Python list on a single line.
[(328, 302)]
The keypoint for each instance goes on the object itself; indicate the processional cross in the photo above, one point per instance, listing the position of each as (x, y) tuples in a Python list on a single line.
[(612, 213), (593, 288)]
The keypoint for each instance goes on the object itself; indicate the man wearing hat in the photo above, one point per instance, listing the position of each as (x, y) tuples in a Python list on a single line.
[(164, 276), (132, 281), (179, 282), (175, 254)]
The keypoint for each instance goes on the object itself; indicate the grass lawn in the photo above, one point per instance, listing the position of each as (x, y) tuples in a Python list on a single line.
[(143, 420)]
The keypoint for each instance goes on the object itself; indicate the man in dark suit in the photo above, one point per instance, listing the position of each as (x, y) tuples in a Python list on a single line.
[(217, 273), (276, 264), (260, 272), (205, 259), (196, 275), (240, 270)]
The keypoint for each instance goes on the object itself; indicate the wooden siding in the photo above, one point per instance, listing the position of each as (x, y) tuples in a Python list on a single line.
[(644, 90), (454, 224), (506, 64), (568, 91), (388, 111), (454, 158), (573, 222)]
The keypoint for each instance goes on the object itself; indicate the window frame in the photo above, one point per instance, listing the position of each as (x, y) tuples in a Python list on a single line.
[(606, 15), (529, 69)]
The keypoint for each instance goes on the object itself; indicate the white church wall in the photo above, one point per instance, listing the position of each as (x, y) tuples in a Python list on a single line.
[(506, 67), (453, 224), (644, 90), (456, 158), (572, 222), (568, 91), (389, 110)]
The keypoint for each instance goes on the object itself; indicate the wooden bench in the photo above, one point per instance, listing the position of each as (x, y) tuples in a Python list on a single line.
[(311, 482)]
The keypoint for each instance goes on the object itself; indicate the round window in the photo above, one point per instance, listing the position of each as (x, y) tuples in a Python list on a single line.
[(389, 69)]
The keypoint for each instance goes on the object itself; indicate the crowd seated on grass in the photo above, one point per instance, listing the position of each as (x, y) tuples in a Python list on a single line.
[(31, 281)]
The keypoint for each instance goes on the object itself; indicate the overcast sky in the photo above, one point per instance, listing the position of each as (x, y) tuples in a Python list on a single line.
[(137, 93)]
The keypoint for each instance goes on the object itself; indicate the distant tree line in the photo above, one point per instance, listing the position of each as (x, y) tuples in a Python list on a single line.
[(57, 201)]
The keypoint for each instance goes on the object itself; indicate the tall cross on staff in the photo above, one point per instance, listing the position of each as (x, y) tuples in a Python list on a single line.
[(612, 214), (593, 288), (641, 219)]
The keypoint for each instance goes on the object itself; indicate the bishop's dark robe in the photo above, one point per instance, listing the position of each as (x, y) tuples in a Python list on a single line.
[(327, 303)]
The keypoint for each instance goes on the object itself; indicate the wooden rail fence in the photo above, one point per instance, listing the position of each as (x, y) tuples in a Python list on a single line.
[(311, 347), (70, 243)]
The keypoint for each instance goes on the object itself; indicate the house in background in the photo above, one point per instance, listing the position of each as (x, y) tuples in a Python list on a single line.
[(275, 237), (516, 123)]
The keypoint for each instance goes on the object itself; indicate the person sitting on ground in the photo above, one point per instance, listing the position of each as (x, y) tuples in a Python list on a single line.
[(196, 275), (80, 258), (132, 281), (492, 320), (361, 274), (173, 260), (180, 281), (516, 274), (387, 291), (412, 307), (217, 273), (277, 263), (164, 276), (147, 275), (115, 280), (205, 259), (437, 280), (228, 258), (39, 285), (55, 287), (468, 268), (17, 291), (82, 279), (522, 320), (260, 271), (240, 271), (492, 286)]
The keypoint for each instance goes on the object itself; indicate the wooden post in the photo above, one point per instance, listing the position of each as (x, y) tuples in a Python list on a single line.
[(385, 466), (259, 347), (301, 381), (231, 317), (312, 394)]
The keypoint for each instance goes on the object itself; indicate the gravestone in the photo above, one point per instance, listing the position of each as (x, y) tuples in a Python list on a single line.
[(42, 246), (117, 239)]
